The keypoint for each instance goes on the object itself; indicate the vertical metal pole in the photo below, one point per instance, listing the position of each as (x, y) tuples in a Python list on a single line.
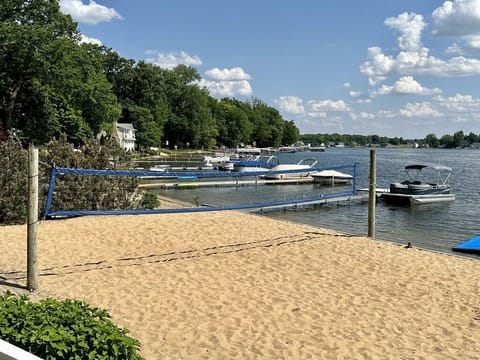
[(48, 202), (354, 185), (372, 196), (32, 219)]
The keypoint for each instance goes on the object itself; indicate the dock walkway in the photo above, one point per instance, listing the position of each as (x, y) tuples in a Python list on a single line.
[(225, 183)]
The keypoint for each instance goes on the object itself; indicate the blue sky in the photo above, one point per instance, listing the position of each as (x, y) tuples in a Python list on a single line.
[(387, 67)]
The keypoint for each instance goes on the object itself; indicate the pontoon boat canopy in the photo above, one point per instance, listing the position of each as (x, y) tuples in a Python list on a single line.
[(430, 165)]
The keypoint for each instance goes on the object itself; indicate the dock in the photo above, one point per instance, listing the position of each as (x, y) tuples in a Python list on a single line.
[(225, 183), (317, 201)]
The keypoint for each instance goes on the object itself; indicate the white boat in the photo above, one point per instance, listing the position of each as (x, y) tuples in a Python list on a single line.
[(292, 171), (257, 163), (320, 148), (330, 177), (162, 170), (216, 161), (159, 168), (415, 190)]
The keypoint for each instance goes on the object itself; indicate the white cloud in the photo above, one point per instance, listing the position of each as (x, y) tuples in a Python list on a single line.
[(319, 114), (455, 49), (459, 103), (233, 74), (406, 85), (366, 115), (413, 59), (468, 44), (457, 18), (291, 105), (347, 85), (227, 82), (364, 101), (172, 59), (359, 97), (461, 19), (91, 13), (327, 105), (420, 110), (89, 40), (227, 88), (386, 114), (410, 27)]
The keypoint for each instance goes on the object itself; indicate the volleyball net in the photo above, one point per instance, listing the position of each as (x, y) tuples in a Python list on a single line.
[(204, 178)]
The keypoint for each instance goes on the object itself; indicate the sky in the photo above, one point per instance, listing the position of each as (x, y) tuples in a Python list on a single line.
[(395, 68)]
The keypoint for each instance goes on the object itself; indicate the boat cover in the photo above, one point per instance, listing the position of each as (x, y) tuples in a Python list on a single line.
[(472, 245), (420, 166)]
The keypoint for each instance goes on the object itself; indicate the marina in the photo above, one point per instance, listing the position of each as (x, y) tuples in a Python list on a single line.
[(437, 227)]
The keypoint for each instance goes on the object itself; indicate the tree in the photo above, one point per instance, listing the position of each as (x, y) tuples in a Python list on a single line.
[(291, 134), (458, 139), (234, 126), (447, 141), (26, 29), (473, 138), (191, 120), (142, 92), (432, 141), (49, 82), (268, 124)]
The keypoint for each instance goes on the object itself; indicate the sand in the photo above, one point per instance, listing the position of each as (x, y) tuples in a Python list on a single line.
[(230, 285)]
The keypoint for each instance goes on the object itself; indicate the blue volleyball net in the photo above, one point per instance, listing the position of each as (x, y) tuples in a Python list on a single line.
[(176, 178)]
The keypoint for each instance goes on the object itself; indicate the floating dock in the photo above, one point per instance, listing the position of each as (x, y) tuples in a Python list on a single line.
[(470, 246), (227, 183)]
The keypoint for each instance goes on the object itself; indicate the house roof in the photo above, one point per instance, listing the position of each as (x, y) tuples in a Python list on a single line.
[(126, 126)]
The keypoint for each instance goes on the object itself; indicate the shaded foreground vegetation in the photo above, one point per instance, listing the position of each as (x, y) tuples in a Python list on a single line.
[(68, 329)]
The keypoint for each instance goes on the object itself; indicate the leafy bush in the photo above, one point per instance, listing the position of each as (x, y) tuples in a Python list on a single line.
[(72, 192), (68, 329), (13, 182), (80, 192), (149, 200)]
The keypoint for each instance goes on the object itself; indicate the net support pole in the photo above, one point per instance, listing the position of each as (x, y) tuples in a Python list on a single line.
[(372, 194), (32, 219)]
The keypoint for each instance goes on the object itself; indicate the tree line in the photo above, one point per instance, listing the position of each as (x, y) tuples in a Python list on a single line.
[(457, 140), (52, 84)]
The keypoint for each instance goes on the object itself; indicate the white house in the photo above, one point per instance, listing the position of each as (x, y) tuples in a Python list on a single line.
[(125, 134)]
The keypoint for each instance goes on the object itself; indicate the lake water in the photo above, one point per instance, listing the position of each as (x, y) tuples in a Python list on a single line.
[(436, 227)]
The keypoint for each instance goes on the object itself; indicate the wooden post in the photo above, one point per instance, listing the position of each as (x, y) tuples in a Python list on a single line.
[(372, 195), (32, 219)]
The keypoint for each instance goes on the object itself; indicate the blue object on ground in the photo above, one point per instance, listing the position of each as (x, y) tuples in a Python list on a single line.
[(472, 245)]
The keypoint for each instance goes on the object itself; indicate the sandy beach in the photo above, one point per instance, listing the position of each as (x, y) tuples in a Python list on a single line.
[(230, 285)]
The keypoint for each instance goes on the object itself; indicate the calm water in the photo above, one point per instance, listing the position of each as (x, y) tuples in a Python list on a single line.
[(434, 226)]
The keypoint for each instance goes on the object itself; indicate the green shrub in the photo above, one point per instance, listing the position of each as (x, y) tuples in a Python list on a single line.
[(13, 182), (68, 329), (149, 200), (72, 192)]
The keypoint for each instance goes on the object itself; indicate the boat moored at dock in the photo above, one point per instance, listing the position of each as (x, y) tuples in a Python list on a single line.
[(415, 191), (298, 170), (330, 177)]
